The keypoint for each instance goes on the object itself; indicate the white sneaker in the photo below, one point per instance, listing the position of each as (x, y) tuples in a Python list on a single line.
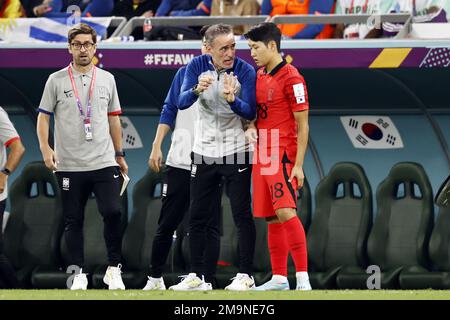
[(191, 282), (241, 282), (276, 283), (155, 284), (80, 281), (303, 281), (113, 278)]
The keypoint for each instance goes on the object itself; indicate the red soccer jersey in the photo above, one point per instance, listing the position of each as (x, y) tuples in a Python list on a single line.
[(279, 94)]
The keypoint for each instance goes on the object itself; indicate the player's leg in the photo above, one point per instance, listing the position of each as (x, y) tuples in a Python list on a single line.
[(285, 204), (276, 240), (175, 203), (212, 249), (8, 279), (204, 185), (75, 190), (296, 241), (106, 187), (238, 180)]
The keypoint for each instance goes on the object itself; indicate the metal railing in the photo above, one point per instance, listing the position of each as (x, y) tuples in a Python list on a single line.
[(138, 22), (339, 18), (119, 23), (373, 20)]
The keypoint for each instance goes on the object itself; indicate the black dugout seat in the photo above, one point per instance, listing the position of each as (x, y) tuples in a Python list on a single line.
[(400, 234), (341, 223)]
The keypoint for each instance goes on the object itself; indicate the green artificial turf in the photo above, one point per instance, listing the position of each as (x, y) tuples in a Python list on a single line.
[(225, 295)]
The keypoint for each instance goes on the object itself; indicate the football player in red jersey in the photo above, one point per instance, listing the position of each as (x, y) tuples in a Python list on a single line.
[(281, 136)]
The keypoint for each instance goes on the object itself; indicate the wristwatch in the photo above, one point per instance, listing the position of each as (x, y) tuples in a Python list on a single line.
[(6, 171), (120, 153), (195, 90)]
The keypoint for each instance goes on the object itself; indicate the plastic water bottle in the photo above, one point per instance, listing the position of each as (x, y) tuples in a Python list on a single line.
[(147, 29)]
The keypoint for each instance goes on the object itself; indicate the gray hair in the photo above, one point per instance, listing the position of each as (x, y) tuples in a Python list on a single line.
[(216, 30)]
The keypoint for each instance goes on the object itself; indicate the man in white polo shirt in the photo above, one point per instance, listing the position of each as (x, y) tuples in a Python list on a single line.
[(88, 154), (11, 140)]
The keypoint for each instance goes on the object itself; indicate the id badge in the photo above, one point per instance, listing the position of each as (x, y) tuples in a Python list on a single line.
[(88, 130)]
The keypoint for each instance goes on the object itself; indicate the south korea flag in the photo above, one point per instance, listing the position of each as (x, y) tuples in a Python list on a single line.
[(372, 132), (130, 136)]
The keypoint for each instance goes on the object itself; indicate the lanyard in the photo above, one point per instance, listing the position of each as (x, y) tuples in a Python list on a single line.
[(352, 7), (77, 97)]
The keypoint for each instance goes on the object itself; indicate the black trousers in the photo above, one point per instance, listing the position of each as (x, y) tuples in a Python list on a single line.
[(206, 176), (175, 204), (75, 189), (8, 279)]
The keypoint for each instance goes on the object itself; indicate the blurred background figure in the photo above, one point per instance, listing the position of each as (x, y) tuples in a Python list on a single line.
[(301, 31), (135, 8), (89, 8), (185, 8), (360, 30), (11, 9), (421, 10), (235, 8), (35, 8)]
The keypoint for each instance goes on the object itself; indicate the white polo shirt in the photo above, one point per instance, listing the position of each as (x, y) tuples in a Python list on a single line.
[(179, 155), (74, 153), (8, 134)]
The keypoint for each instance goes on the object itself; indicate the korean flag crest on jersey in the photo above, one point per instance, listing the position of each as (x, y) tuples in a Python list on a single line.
[(299, 93), (372, 132)]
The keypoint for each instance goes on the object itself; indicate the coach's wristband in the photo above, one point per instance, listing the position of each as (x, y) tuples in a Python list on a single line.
[(6, 171), (120, 154)]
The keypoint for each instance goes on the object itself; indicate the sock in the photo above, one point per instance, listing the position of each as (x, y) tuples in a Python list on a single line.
[(278, 248), (296, 239), (302, 276), (279, 278)]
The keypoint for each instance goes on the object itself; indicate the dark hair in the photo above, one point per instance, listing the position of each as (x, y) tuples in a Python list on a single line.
[(203, 30), (215, 30), (265, 32), (82, 28)]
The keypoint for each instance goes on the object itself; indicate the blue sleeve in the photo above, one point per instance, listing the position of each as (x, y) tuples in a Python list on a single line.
[(187, 97), (99, 8), (170, 110), (202, 9), (164, 8), (266, 7), (57, 6), (312, 30), (245, 106)]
